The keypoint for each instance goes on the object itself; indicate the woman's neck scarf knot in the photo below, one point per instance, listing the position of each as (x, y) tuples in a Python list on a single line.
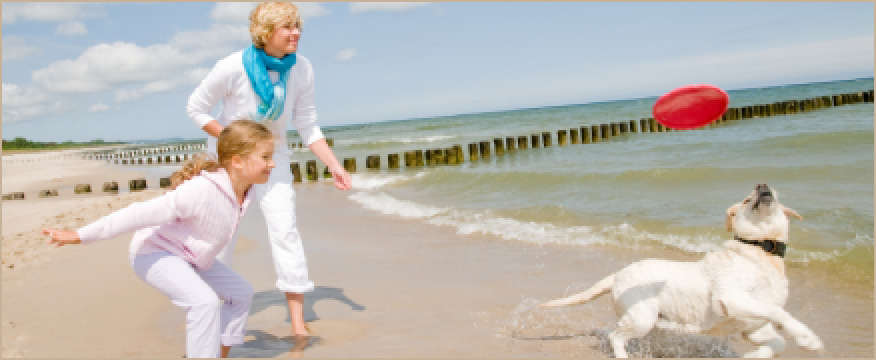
[(257, 62)]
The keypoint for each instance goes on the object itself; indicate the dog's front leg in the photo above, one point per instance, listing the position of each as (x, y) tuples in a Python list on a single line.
[(769, 342), (741, 306)]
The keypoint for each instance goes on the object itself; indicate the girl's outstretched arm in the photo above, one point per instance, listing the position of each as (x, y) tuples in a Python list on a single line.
[(62, 237)]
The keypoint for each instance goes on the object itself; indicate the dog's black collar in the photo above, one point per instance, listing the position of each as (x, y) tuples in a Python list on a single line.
[(770, 246)]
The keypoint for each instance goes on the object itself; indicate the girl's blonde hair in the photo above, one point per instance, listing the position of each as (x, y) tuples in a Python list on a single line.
[(239, 138), (267, 16)]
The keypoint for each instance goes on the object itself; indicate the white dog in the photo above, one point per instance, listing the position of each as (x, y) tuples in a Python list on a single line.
[(741, 288)]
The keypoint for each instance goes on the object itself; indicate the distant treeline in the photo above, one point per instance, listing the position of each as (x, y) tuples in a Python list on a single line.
[(21, 143)]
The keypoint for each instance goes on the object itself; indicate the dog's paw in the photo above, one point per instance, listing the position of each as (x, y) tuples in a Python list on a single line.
[(809, 342)]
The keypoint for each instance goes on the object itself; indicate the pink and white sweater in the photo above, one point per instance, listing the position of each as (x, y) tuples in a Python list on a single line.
[(194, 221)]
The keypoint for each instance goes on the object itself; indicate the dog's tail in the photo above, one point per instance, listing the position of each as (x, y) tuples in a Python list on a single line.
[(602, 287)]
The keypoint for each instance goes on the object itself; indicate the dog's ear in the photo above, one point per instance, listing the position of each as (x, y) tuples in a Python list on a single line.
[(790, 212), (731, 212)]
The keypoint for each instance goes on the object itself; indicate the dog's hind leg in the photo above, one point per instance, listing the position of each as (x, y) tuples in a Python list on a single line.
[(769, 342), (636, 322), (738, 306)]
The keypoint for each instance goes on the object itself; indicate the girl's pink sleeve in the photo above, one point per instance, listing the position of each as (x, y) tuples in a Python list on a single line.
[(179, 203)]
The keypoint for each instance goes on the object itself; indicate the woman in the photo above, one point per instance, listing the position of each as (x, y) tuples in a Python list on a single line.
[(269, 82)]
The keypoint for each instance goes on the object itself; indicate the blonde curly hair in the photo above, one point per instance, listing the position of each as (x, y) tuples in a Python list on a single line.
[(239, 138), (267, 16)]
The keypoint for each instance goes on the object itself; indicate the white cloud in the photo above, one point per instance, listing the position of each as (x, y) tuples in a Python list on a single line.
[(98, 108), (20, 103), (211, 43), (103, 66), (123, 95), (238, 12), (159, 86), (17, 96), (232, 12), (195, 76), (50, 12), (311, 9), (71, 28), (16, 47), (361, 7), (346, 55)]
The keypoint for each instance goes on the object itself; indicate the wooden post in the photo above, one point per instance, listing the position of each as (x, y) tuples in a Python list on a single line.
[(137, 184), (535, 140), (595, 135), (372, 162), (111, 187), (615, 129), (392, 159), (296, 171), (47, 193), (522, 143), (573, 133), (326, 173), (485, 149), (419, 154), (605, 130), (163, 183), (500, 146), (439, 156), (311, 170), (82, 189), (330, 142), (350, 165), (633, 126), (430, 157), (562, 137), (410, 159), (473, 152), (509, 144), (546, 139), (585, 135), (450, 156)]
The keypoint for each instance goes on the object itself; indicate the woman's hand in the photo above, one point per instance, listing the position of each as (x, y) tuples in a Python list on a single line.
[(62, 237), (342, 179)]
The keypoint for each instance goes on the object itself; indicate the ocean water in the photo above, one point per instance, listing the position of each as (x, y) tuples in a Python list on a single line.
[(637, 191)]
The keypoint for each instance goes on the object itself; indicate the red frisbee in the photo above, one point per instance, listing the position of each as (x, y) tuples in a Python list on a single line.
[(691, 106)]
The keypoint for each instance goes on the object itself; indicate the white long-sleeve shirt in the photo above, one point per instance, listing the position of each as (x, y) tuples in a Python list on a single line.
[(228, 83)]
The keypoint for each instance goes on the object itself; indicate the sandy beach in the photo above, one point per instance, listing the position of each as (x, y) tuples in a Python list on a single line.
[(385, 287)]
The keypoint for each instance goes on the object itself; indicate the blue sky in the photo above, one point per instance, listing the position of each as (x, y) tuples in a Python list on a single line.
[(123, 71)]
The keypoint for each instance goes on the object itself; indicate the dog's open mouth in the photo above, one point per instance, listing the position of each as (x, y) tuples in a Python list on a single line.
[(764, 195)]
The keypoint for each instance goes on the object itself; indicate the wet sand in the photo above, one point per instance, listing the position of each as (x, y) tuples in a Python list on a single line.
[(386, 287)]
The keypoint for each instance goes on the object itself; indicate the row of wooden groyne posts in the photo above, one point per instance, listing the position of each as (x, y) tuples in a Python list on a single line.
[(477, 150), (142, 156), (584, 135)]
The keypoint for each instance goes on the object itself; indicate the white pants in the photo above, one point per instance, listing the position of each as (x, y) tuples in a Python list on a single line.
[(217, 300), (276, 198)]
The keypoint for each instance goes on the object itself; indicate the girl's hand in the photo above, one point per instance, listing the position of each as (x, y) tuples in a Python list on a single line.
[(342, 179), (62, 237)]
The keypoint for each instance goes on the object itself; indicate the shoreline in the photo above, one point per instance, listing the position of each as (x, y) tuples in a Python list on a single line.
[(385, 287)]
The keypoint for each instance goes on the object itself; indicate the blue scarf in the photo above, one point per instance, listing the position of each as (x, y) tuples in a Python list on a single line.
[(257, 63)]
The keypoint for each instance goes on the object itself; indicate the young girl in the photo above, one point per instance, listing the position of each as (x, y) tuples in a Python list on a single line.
[(181, 232)]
